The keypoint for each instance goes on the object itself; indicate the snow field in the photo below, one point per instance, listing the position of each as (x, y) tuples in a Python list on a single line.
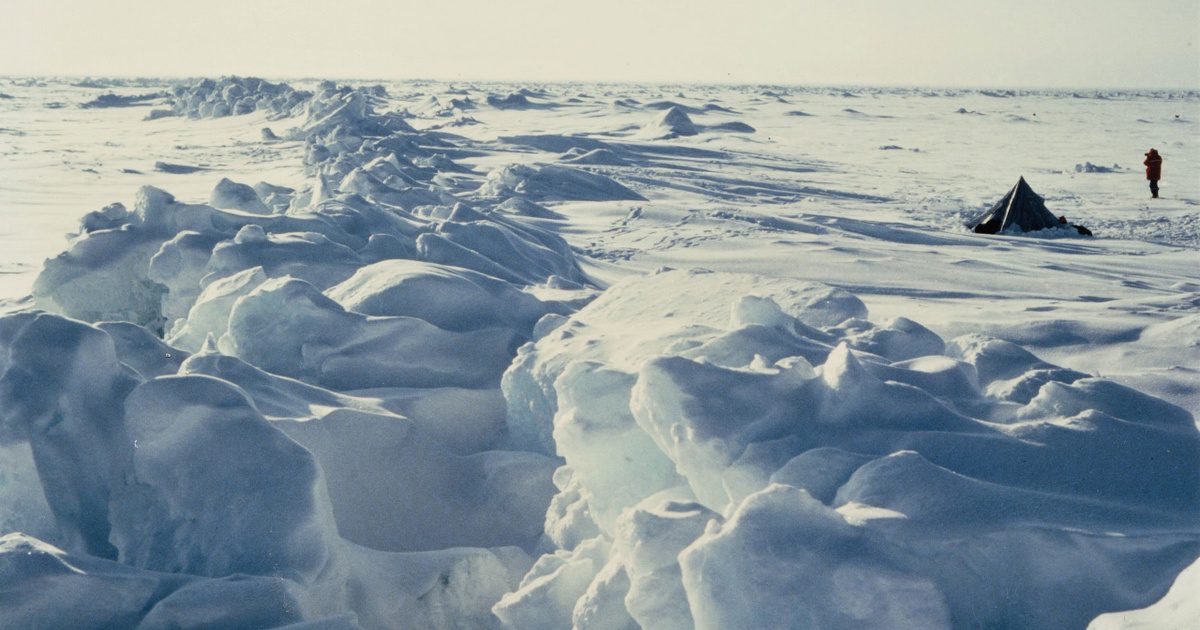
[(392, 392)]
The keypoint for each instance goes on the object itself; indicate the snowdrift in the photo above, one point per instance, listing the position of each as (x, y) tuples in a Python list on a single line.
[(234, 96), (595, 157), (105, 101), (149, 266), (288, 408), (517, 100), (717, 456), (674, 122), (551, 182), (177, 502), (766, 457)]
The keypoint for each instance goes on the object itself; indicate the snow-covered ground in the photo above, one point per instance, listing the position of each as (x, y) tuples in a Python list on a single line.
[(596, 356)]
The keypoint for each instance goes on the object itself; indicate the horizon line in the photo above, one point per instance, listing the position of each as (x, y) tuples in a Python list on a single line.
[(647, 82)]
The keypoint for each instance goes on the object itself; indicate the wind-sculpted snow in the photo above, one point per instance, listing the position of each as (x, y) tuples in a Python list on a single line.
[(287, 326), (231, 195), (517, 100), (674, 122), (444, 107), (149, 266), (174, 493), (316, 435), (234, 96), (760, 455), (554, 183), (595, 157), (449, 297), (121, 100), (346, 114), (388, 395), (90, 592)]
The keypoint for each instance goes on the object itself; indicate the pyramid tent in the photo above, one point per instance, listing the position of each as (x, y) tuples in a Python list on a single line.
[(1021, 209)]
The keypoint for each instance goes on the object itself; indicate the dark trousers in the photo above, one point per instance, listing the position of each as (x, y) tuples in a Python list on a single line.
[(1154, 187)]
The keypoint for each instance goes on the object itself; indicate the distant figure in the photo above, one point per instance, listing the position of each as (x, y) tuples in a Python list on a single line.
[(1062, 220), (1153, 171)]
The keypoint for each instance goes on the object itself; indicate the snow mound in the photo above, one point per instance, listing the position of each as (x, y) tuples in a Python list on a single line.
[(150, 266), (443, 107), (553, 183), (331, 353), (784, 462), (234, 96), (177, 169), (673, 122), (93, 592), (595, 157), (669, 105), (557, 143), (516, 100), (523, 207), (1088, 167), (286, 326), (735, 127), (451, 298), (130, 467), (230, 195), (105, 101), (341, 114), (155, 114)]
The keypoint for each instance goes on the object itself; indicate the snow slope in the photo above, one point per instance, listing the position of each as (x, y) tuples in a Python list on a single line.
[(598, 356)]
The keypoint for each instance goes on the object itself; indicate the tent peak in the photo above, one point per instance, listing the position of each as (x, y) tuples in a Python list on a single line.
[(1021, 209)]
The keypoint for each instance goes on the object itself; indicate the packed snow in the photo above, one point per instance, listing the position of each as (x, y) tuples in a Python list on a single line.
[(594, 356)]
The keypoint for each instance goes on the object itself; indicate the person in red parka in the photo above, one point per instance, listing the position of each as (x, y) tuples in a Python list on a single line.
[(1153, 171)]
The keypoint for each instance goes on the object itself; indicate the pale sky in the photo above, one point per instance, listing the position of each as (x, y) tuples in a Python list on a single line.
[(1003, 43)]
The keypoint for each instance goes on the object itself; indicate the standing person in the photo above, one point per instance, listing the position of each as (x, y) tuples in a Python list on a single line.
[(1153, 171)]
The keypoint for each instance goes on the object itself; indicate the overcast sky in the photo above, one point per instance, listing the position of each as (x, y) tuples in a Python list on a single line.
[(1018, 43)]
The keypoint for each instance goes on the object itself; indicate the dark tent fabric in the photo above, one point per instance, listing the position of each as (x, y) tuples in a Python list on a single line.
[(1021, 207)]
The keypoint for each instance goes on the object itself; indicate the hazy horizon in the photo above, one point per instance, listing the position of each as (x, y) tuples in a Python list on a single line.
[(651, 82), (1024, 44)]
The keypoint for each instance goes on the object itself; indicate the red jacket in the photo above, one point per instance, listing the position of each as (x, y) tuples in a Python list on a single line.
[(1153, 165)]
